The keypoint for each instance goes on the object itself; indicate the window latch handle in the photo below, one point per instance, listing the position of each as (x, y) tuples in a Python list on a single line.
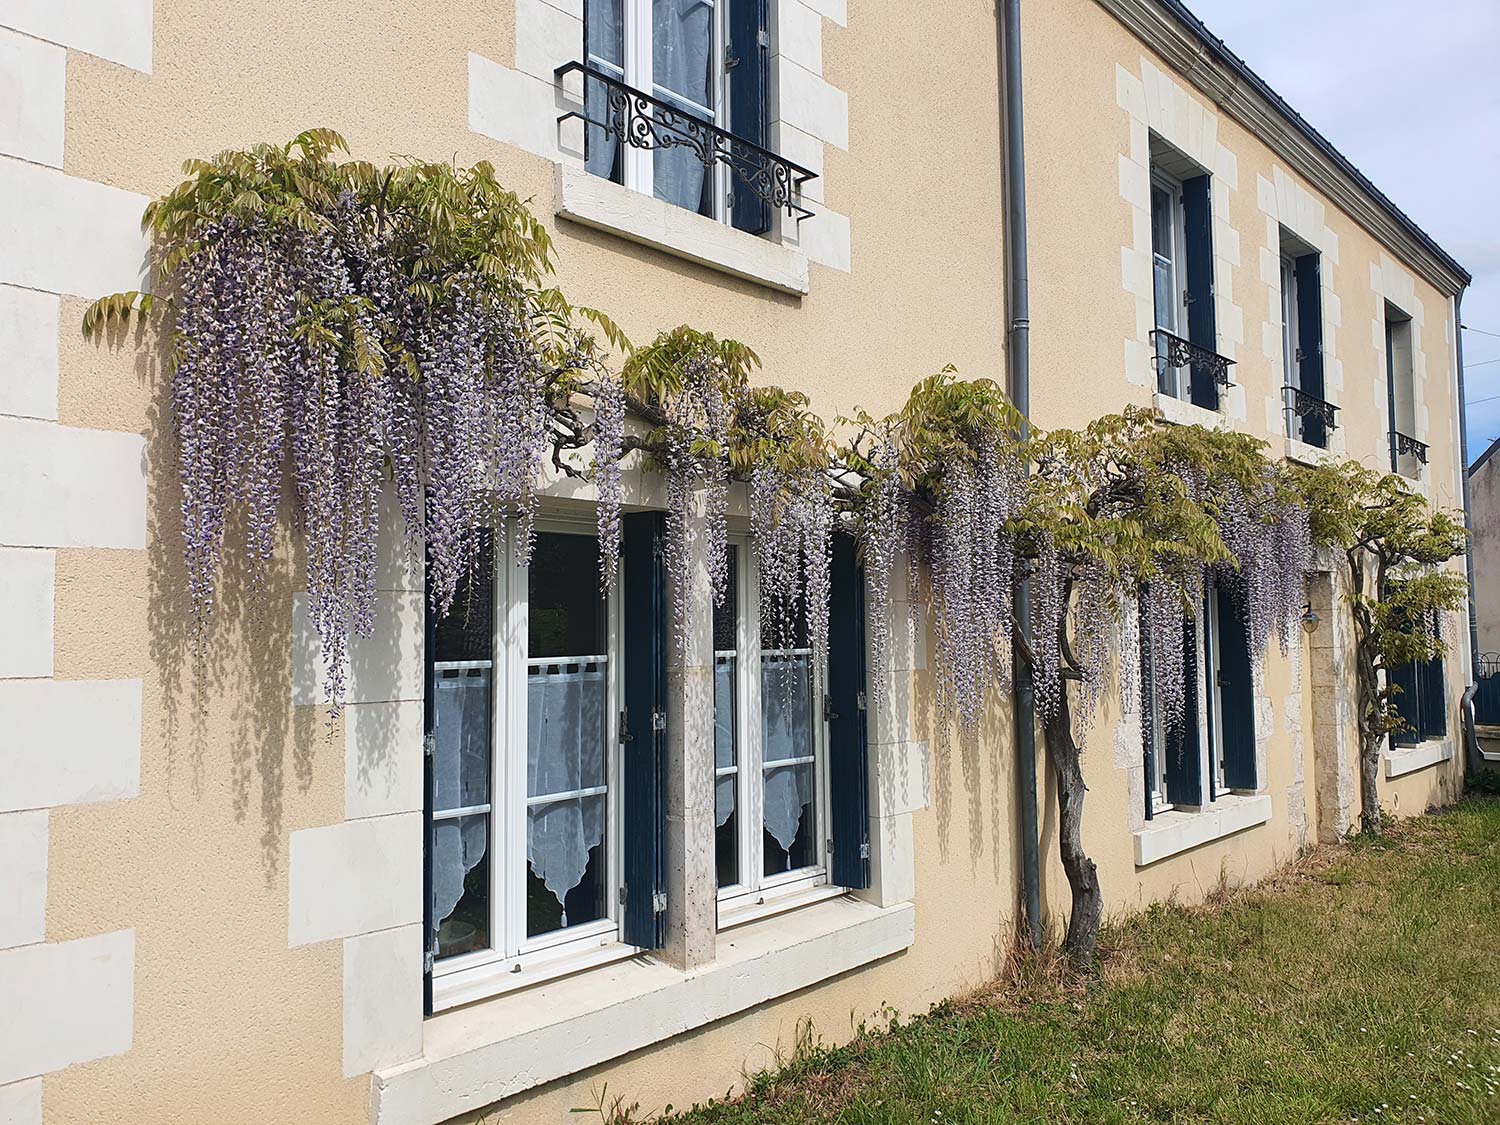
[(829, 714)]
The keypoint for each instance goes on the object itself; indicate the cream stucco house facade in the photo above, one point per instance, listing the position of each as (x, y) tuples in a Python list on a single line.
[(212, 901)]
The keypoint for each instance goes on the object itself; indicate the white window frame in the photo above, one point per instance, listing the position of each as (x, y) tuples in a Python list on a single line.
[(637, 164), (756, 895), (1161, 181), (514, 960)]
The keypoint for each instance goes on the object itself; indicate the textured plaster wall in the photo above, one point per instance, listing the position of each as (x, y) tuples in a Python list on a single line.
[(231, 1021)]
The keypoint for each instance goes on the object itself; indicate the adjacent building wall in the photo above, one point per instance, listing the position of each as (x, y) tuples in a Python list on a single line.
[(224, 990), (1484, 514)]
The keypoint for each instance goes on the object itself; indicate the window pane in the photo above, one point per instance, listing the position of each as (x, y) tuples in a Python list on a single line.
[(567, 876), (461, 884), (682, 65), (567, 731), (605, 22), (462, 730), (787, 737), (461, 738), (682, 33), (790, 831)]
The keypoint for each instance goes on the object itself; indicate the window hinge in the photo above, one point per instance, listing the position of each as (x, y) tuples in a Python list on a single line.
[(731, 60), (659, 902), (828, 712), (625, 735), (624, 893), (658, 720), (429, 745), (1187, 297)]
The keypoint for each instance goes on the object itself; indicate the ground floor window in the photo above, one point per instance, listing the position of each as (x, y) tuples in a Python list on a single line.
[(526, 807), (1210, 750)]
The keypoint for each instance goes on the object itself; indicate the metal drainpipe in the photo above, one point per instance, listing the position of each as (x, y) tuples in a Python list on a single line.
[(1018, 355), (1463, 456)]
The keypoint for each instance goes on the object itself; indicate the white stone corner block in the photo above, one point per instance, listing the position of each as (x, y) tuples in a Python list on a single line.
[(835, 10), (546, 38), (68, 742), (33, 85), (382, 999), (21, 1102), (824, 238), (799, 34), (903, 781), (28, 580), (28, 343), (805, 101), (61, 486), (893, 852), (354, 878), (116, 30), (382, 758), (513, 107), (383, 667), (65, 1003), (23, 878), (64, 234)]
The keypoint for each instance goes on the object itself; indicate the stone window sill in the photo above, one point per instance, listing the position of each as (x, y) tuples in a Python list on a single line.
[(1409, 759), (1185, 413), (475, 1056), (1305, 454), (1179, 830), (596, 202)]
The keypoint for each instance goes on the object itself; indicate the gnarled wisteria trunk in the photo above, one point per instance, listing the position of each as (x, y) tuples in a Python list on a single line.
[(1082, 941)]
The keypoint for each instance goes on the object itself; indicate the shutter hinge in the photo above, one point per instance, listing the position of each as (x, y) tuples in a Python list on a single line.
[(625, 735), (864, 850), (429, 744), (659, 902), (860, 701), (763, 38), (731, 60), (427, 962), (624, 893), (828, 712), (658, 720)]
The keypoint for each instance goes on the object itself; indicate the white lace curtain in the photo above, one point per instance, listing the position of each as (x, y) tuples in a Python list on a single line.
[(786, 733), (565, 744), (460, 779)]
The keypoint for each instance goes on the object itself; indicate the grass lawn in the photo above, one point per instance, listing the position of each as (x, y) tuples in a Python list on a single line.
[(1363, 985)]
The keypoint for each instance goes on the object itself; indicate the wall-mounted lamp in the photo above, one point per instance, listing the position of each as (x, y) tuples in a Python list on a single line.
[(1309, 619)]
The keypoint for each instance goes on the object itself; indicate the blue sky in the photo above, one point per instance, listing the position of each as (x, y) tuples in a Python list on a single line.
[(1410, 93)]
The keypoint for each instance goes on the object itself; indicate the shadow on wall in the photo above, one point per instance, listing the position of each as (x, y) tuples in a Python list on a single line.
[(225, 696)]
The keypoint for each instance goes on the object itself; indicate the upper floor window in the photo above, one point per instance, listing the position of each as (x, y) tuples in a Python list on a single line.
[(1188, 365), (1309, 417), (703, 66), (1408, 455)]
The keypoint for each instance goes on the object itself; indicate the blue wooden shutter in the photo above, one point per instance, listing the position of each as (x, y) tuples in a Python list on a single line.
[(643, 723), (749, 79), (1184, 769), (1197, 217), (1310, 342), (848, 734), (1236, 688)]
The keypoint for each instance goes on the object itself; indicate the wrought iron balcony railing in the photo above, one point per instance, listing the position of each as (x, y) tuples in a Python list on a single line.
[(643, 121), (1403, 444), (1304, 405), (1177, 352)]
